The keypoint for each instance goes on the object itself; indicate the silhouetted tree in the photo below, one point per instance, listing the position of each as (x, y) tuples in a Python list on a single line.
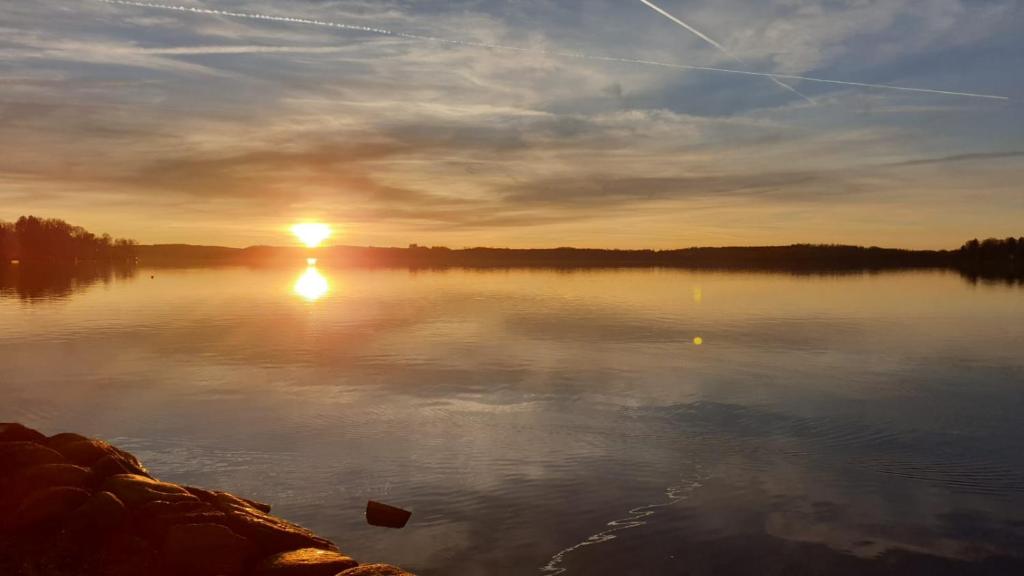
[(34, 239), (993, 257)]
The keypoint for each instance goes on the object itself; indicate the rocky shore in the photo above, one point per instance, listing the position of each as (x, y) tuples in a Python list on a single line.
[(77, 506)]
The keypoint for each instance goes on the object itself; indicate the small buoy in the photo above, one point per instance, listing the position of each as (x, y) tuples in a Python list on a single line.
[(378, 514)]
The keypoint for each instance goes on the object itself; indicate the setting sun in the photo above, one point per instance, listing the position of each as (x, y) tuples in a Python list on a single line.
[(311, 234)]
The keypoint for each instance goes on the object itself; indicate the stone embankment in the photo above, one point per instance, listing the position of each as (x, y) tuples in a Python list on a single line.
[(77, 506)]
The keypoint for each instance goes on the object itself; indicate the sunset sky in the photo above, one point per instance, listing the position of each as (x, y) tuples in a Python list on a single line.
[(171, 126)]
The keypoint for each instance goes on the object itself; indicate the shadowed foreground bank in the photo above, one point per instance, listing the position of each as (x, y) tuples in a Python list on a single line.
[(75, 506)]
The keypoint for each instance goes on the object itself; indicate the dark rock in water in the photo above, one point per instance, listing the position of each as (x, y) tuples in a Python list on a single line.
[(14, 432), (305, 562), (205, 550), (16, 456), (379, 514), (375, 570), (270, 533), (47, 506), (100, 515), (135, 490), (28, 481)]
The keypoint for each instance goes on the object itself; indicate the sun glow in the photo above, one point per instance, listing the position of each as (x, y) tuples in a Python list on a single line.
[(312, 234)]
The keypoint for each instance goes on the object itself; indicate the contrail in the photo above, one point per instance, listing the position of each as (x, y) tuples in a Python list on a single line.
[(521, 50), (720, 48)]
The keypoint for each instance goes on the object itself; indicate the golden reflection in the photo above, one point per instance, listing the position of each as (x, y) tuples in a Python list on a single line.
[(312, 285)]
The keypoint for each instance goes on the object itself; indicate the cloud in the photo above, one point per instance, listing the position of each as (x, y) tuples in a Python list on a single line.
[(228, 126), (971, 157)]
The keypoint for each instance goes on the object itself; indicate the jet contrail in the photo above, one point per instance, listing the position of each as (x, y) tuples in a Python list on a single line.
[(578, 55), (720, 48)]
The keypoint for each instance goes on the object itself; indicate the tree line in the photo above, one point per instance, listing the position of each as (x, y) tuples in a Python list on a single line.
[(51, 240)]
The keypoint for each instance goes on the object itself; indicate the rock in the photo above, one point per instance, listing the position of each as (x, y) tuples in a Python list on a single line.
[(124, 554), (18, 455), (158, 508), (14, 432), (47, 506), (379, 514), (375, 570), (64, 438), (101, 514), (135, 490), (205, 550), (224, 499), (111, 466), (157, 529), (88, 452), (272, 534), (261, 506), (27, 481), (305, 562)]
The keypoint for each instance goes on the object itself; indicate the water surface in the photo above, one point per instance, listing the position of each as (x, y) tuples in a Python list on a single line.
[(546, 422)]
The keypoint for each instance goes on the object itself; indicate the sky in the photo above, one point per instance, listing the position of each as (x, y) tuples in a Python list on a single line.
[(173, 126)]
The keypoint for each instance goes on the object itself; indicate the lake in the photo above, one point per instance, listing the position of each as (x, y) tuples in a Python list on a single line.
[(639, 421)]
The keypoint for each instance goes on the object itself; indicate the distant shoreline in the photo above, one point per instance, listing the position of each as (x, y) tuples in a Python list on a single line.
[(798, 258)]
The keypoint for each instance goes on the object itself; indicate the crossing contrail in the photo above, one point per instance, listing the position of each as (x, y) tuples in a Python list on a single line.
[(720, 48), (522, 50)]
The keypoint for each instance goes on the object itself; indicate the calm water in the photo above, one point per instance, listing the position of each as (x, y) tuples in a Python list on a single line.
[(591, 422)]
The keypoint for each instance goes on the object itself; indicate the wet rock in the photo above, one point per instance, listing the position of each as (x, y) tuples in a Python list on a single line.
[(16, 456), (261, 506), (223, 499), (27, 481), (14, 432), (100, 515), (124, 554), (88, 452), (111, 466), (135, 490), (205, 550), (157, 529), (272, 534), (305, 562), (158, 508), (47, 506), (54, 525), (375, 570), (378, 514)]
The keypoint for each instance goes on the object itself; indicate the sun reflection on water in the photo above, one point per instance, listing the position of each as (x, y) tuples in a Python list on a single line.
[(311, 285)]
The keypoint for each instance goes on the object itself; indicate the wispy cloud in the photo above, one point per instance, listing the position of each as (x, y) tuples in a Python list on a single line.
[(126, 116), (578, 55), (720, 48)]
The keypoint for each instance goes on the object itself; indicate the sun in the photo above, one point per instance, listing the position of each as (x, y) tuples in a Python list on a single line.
[(312, 234)]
